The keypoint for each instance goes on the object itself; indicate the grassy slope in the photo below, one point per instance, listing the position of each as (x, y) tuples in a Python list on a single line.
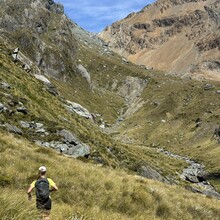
[(90, 191), (105, 70), (49, 110), (85, 184), (181, 102)]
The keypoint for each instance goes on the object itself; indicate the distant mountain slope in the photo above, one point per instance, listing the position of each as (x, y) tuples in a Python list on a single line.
[(179, 36)]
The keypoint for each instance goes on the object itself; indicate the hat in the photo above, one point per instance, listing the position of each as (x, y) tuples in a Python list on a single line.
[(42, 169)]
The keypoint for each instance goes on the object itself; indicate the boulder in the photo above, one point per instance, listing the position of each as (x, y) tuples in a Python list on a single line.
[(15, 54), (68, 137), (32, 125), (42, 78), (69, 146), (22, 110), (24, 124), (150, 173), (26, 67), (84, 73), (80, 150), (193, 172), (39, 125), (5, 85), (191, 178), (212, 194), (2, 107), (208, 193), (14, 129), (78, 109)]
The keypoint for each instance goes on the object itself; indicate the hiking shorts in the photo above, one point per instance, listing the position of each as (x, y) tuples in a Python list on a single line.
[(44, 205)]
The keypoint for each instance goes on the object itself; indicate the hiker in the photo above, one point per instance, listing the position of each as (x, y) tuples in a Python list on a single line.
[(43, 186)]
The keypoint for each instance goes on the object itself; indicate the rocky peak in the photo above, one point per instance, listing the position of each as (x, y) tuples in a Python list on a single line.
[(33, 27), (188, 29), (54, 7)]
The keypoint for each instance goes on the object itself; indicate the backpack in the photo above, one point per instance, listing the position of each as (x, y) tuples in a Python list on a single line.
[(42, 189)]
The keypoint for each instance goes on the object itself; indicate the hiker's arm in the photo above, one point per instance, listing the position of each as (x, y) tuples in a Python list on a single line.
[(54, 188), (29, 192), (30, 189)]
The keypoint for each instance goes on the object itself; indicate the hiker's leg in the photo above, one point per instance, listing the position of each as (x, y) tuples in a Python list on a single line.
[(46, 215)]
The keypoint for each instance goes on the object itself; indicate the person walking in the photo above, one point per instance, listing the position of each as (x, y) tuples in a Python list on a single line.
[(43, 186)]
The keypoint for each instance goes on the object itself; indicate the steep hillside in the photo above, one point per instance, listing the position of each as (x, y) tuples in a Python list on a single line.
[(28, 109), (47, 111), (176, 36), (65, 95), (88, 191), (52, 45), (42, 32)]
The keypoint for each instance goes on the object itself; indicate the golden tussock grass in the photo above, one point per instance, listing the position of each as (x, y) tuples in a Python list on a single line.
[(87, 191)]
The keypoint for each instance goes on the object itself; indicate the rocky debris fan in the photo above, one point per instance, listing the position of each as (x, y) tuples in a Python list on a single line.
[(69, 145), (195, 174)]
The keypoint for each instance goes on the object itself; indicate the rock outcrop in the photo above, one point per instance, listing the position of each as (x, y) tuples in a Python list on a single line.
[(78, 109), (25, 24), (69, 145), (195, 174)]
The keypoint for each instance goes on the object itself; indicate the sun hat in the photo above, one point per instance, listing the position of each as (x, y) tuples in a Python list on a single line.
[(42, 168)]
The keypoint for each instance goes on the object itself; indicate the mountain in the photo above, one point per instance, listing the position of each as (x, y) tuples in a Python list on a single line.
[(177, 36), (102, 125)]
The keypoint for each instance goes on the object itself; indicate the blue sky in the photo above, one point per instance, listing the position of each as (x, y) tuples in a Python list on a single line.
[(95, 15)]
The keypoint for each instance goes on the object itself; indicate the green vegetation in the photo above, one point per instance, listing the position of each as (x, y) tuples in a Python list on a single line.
[(50, 110), (168, 119), (88, 191), (109, 189)]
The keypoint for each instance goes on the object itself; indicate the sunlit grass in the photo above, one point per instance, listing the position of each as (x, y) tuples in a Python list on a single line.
[(87, 191)]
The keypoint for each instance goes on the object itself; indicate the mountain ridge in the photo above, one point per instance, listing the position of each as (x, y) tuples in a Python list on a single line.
[(189, 30)]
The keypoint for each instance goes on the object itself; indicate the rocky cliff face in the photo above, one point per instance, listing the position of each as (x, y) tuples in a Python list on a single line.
[(179, 36), (44, 34)]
